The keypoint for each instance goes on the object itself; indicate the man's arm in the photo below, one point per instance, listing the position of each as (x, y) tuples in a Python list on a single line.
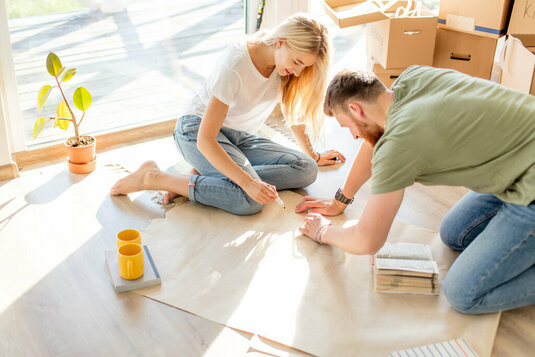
[(368, 235), (359, 173)]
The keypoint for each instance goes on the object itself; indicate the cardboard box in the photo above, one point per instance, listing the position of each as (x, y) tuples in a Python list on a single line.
[(482, 17), (470, 54), (347, 13), (522, 17), (400, 42), (387, 76), (518, 63)]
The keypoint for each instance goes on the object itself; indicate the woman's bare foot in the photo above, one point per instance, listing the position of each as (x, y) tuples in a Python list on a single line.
[(139, 180), (170, 196)]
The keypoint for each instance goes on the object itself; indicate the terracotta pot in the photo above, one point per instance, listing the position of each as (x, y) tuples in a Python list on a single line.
[(82, 159)]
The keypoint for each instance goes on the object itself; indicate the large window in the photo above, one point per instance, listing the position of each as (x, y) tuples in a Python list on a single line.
[(140, 62)]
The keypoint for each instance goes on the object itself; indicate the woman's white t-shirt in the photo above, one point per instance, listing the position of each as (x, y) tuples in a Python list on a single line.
[(236, 82)]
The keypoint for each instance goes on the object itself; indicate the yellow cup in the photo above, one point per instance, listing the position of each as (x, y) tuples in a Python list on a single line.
[(128, 236), (130, 261)]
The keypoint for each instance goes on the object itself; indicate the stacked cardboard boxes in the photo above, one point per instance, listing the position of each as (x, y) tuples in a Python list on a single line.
[(398, 34), (463, 37), (467, 34)]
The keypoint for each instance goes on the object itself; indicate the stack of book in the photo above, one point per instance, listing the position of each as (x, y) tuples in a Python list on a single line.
[(405, 268)]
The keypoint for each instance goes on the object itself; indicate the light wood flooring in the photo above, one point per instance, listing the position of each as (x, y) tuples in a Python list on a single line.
[(56, 299)]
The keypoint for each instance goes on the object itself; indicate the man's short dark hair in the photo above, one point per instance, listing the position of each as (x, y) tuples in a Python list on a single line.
[(351, 85)]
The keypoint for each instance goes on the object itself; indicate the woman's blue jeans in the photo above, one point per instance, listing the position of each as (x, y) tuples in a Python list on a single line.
[(261, 158), (495, 270)]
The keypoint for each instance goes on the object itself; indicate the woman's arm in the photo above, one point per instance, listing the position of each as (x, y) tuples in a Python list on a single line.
[(326, 158), (211, 124)]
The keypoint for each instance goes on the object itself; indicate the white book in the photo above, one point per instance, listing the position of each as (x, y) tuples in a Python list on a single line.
[(150, 276), (414, 251), (452, 348)]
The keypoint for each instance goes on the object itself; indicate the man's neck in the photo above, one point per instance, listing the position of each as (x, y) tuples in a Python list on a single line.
[(384, 101)]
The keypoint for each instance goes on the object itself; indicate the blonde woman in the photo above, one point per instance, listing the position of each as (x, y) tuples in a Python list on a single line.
[(235, 169)]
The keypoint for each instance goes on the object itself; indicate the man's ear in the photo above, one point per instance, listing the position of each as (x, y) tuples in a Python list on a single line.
[(356, 109)]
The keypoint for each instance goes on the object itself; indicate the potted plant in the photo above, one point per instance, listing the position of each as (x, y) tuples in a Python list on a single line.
[(81, 148)]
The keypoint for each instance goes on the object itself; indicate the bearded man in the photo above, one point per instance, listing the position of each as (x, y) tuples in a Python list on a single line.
[(441, 127)]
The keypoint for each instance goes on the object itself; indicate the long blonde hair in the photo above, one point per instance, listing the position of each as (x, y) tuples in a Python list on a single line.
[(302, 97)]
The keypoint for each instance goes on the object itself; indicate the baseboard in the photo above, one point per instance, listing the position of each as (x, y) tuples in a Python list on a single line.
[(9, 171), (104, 142)]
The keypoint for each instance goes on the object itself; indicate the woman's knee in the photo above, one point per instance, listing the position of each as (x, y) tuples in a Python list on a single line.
[(309, 170), (246, 208)]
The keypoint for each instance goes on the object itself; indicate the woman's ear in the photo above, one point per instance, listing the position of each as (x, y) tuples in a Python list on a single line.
[(279, 43)]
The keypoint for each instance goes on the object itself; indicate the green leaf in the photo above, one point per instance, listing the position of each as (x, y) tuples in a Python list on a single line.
[(62, 111), (82, 98), (53, 64), (68, 75), (60, 71), (38, 127), (44, 92), (62, 124)]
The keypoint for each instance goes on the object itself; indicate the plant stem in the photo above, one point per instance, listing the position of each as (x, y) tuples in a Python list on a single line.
[(74, 123)]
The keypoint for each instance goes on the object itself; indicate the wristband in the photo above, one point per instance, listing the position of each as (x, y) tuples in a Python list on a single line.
[(341, 198), (319, 233)]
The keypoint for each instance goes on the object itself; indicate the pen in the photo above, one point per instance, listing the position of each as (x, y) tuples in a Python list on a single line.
[(279, 201)]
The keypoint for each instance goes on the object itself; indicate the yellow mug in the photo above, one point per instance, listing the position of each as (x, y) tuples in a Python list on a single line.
[(130, 261), (128, 236)]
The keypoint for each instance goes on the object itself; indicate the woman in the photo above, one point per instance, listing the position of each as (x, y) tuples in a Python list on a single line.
[(234, 169)]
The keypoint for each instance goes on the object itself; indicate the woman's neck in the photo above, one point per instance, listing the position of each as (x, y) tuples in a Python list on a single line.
[(262, 56)]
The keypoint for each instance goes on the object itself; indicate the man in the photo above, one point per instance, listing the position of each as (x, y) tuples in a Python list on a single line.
[(441, 127)]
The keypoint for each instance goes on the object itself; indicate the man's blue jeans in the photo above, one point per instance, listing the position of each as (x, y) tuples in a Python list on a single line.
[(495, 270), (261, 158)]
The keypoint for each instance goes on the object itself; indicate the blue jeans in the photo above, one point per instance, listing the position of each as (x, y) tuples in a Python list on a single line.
[(261, 158), (495, 270)]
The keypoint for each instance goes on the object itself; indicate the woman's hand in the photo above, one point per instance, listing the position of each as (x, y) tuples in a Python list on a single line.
[(313, 223), (320, 205), (260, 191), (330, 157)]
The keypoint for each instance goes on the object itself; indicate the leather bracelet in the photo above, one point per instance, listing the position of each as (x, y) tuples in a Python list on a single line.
[(319, 156), (341, 198)]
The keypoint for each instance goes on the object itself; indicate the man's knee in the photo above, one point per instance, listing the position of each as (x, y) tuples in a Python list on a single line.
[(459, 294)]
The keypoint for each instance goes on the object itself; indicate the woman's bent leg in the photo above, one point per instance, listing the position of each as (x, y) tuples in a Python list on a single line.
[(211, 187), (278, 165), (496, 271)]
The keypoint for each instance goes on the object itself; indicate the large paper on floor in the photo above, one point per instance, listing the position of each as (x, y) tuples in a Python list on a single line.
[(259, 275)]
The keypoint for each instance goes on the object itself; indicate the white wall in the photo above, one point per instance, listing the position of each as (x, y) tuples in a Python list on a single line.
[(275, 12), (11, 126)]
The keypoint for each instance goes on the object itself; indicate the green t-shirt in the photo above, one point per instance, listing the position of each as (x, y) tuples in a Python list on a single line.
[(447, 128)]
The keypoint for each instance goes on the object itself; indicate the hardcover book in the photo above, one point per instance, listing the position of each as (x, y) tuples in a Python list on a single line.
[(150, 275), (405, 268)]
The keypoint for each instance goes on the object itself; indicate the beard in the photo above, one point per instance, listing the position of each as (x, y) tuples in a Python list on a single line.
[(370, 132)]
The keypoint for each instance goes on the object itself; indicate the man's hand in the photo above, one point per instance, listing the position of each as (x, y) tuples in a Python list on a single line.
[(331, 157), (323, 206), (313, 223)]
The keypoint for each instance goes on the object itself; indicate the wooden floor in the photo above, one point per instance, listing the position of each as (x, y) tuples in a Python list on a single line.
[(56, 299), (140, 64), (54, 227)]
